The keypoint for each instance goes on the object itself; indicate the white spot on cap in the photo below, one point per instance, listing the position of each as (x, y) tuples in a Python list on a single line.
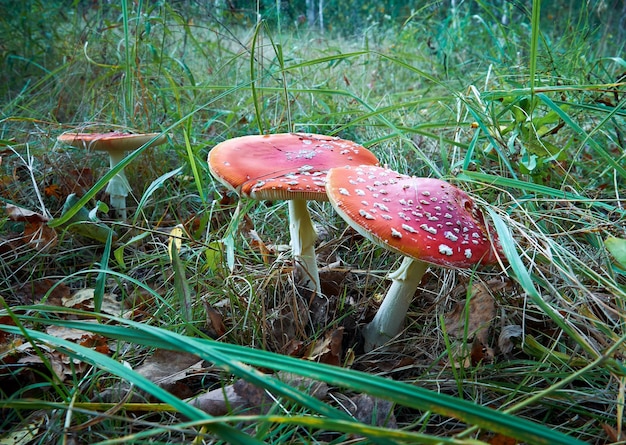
[(365, 214), (451, 236), (445, 250), (382, 207), (344, 191), (428, 229), (395, 233), (359, 192), (468, 253), (409, 228)]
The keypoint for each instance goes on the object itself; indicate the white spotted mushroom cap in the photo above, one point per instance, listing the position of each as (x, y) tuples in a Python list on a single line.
[(424, 218), (283, 165)]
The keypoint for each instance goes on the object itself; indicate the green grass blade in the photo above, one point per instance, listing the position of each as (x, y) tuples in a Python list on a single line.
[(401, 393), (191, 158), (153, 187), (98, 294), (606, 156), (100, 360)]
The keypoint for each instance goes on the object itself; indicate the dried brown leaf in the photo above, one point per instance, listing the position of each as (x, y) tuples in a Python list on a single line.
[(481, 311), (83, 299), (508, 333), (373, 411), (329, 349), (36, 291), (16, 213)]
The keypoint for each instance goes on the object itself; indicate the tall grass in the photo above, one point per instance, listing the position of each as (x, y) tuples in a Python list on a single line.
[(486, 95)]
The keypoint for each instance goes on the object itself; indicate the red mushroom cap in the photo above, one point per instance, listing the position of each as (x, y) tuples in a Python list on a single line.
[(284, 165), (424, 218), (112, 141)]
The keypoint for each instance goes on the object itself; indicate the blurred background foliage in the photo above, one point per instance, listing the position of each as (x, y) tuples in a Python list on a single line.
[(34, 33)]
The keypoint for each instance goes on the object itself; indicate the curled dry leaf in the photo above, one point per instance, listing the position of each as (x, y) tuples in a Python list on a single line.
[(505, 340), (256, 241), (168, 369), (37, 234), (215, 326), (16, 213), (83, 299), (329, 349)]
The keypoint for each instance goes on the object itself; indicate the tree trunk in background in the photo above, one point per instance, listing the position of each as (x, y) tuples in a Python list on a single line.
[(321, 15), (310, 12), (315, 13)]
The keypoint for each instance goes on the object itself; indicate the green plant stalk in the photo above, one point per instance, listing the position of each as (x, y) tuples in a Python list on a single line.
[(194, 167), (181, 287), (501, 181), (254, 80), (153, 187), (128, 69), (534, 46), (98, 294), (278, 50), (523, 277), (310, 422), (200, 349), (400, 393)]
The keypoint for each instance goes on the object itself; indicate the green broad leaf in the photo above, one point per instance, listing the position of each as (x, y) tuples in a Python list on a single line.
[(100, 207), (617, 247), (82, 223), (214, 255)]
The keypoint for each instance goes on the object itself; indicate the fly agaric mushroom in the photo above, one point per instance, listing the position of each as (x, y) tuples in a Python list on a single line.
[(428, 220), (287, 166), (116, 144)]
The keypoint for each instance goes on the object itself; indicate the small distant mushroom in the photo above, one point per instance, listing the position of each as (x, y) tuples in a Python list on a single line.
[(428, 220), (116, 144), (287, 166)]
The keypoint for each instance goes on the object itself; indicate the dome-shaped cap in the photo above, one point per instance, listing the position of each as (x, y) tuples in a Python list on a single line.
[(424, 218), (283, 166)]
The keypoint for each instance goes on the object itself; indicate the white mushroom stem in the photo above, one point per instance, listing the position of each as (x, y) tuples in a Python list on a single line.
[(118, 187), (389, 319), (303, 238)]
